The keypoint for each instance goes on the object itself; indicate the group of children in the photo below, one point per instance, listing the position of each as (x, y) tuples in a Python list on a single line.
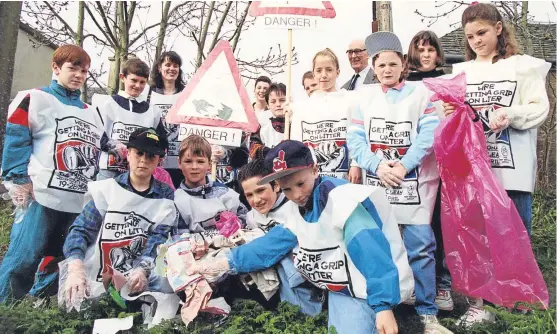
[(370, 246)]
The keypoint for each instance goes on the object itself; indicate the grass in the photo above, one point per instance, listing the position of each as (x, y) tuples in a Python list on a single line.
[(249, 317)]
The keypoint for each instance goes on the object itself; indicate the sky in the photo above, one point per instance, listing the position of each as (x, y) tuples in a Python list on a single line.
[(353, 21)]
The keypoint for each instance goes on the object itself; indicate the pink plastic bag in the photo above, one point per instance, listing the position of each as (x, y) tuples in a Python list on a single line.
[(487, 248), (228, 223), (163, 176)]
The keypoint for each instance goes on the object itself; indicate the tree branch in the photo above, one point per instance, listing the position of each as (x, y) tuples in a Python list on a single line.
[(204, 34), (107, 26), (238, 31), (108, 37), (219, 25), (60, 19), (131, 13)]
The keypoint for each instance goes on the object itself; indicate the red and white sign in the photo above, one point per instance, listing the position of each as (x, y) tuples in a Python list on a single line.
[(323, 9), (216, 96)]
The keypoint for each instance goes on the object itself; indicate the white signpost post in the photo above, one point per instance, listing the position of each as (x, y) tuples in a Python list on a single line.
[(291, 15)]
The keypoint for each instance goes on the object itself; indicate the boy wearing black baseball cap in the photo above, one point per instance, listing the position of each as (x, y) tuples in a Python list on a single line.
[(120, 227), (344, 238)]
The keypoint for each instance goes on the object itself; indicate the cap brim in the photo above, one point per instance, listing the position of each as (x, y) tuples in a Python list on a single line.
[(156, 151), (282, 173)]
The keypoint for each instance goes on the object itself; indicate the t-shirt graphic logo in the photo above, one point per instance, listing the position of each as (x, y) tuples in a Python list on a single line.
[(279, 163)]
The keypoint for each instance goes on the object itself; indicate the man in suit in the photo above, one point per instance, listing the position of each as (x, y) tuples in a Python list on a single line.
[(363, 74)]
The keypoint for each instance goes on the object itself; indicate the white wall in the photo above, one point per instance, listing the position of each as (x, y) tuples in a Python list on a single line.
[(32, 65)]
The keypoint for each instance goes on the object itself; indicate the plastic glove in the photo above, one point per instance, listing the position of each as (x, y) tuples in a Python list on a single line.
[(217, 152), (209, 266), (137, 280), (220, 241), (20, 194), (117, 148), (76, 287)]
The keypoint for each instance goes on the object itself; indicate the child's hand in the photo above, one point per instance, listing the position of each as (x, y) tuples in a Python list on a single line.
[(386, 323), (499, 120), (137, 280), (217, 152), (287, 109), (448, 109), (386, 174), (355, 175), (399, 170)]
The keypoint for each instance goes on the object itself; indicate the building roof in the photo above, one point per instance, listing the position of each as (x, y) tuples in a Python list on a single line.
[(544, 42), (37, 35)]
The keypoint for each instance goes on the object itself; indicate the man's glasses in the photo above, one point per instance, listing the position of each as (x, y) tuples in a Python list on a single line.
[(354, 51), (148, 155)]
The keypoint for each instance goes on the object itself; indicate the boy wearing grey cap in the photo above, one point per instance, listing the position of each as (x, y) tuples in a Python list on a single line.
[(397, 121)]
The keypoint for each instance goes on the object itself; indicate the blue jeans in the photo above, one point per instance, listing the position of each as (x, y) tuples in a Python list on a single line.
[(444, 281), (295, 290), (420, 245), (41, 232), (523, 202), (350, 315)]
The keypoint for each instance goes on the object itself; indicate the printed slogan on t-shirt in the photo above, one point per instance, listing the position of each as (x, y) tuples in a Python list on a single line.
[(327, 268), (485, 98), (122, 240), (327, 141), (76, 154), (390, 141)]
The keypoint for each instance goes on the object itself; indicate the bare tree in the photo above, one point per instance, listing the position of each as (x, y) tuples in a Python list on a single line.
[(118, 28)]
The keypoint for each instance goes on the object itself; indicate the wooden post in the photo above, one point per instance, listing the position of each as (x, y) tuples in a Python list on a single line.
[(288, 85), (384, 14), (213, 170)]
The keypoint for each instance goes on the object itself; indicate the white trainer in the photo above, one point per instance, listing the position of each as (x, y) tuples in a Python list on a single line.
[(475, 314), (444, 300), (432, 325)]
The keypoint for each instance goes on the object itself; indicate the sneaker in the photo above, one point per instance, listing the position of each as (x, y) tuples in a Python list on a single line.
[(411, 300), (475, 314), (432, 325), (444, 300)]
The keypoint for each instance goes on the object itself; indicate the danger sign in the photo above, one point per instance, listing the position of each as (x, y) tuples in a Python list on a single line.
[(216, 96)]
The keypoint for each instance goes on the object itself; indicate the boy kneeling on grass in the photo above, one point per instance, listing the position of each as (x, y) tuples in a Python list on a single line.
[(344, 238), (122, 224)]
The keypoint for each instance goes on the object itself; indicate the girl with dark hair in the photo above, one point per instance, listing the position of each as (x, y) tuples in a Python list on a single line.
[(425, 55), (168, 83), (508, 92)]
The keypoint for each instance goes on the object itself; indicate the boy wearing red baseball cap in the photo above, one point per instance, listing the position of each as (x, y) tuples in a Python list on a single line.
[(344, 238)]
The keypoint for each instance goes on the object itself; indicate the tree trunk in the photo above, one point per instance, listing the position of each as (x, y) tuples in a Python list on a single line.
[(201, 46), (160, 39), (79, 41), (528, 47), (122, 38), (9, 28)]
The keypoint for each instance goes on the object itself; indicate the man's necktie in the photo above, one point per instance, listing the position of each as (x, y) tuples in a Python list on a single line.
[(353, 81)]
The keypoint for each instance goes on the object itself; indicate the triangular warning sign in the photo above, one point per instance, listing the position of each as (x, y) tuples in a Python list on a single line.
[(307, 8), (215, 96)]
